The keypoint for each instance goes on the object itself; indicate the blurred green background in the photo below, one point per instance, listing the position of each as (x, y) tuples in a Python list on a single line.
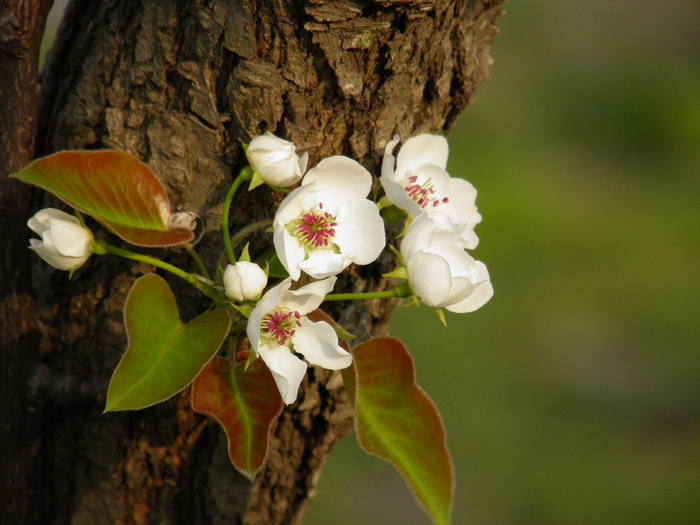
[(573, 397)]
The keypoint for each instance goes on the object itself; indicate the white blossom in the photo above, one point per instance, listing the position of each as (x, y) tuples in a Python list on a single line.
[(327, 223), (276, 161), (244, 281), (419, 183), (65, 243), (278, 329), (440, 272)]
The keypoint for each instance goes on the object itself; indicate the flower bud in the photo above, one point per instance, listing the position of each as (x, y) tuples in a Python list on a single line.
[(65, 243), (275, 160), (244, 280)]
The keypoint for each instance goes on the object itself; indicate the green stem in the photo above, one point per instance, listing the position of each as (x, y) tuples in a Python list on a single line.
[(402, 290), (197, 259), (101, 247), (244, 175)]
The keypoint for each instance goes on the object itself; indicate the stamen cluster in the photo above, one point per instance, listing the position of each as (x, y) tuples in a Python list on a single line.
[(317, 228), (281, 325), (422, 194)]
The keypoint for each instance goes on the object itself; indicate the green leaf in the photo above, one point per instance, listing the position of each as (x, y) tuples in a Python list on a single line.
[(163, 355), (396, 421), (118, 190), (245, 403)]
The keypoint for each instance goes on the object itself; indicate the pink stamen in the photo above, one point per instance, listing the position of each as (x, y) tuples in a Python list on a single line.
[(422, 194), (317, 228), (281, 326)]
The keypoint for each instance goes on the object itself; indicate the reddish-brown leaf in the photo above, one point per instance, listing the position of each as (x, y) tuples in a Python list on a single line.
[(245, 403), (118, 190), (396, 421)]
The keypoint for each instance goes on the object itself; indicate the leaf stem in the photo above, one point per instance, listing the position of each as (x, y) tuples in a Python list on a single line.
[(244, 175), (401, 290), (101, 247), (197, 259)]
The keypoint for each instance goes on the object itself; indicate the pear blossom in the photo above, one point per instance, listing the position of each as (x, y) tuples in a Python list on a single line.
[(327, 223), (440, 272), (278, 329), (419, 183), (244, 281), (65, 243), (275, 160)]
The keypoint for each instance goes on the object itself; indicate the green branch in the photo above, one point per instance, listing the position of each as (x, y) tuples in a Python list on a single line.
[(101, 247), (402, 290), (245, 174)]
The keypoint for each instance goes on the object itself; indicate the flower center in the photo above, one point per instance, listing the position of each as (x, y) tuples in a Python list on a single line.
[(315, 228), (280, 325), (424, 194)]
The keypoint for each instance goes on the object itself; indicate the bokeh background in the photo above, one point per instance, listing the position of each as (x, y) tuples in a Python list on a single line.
[(573, 397)]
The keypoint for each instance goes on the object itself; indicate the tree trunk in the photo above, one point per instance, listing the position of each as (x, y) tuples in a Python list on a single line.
[(181, 84), (21, 27)]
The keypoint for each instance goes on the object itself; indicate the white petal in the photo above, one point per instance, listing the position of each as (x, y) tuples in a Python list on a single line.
[(340, 177), (268, 142), (360, 231), (307, 298), (69, 239), (39, 223), (287, 370), (419, 235), (396, 193), (389, 161), (294, 204), (48, 252), (422, 149), (430, 278), (318, 343), (303, 161), (389, 148), (289, 250), (467, 236), (478, 298), (324, 263), (462, 204)]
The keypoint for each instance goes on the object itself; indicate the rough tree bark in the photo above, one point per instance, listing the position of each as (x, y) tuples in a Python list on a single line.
[(21, 28), (180, 84)]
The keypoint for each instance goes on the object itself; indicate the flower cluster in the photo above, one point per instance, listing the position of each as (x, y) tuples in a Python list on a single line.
[(441, 274), (322, 226)]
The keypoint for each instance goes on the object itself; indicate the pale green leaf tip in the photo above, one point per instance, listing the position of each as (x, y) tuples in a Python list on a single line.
[(441, 315), (245, 310), (245, 254), (399, 273), (255, 181), (247, 473)]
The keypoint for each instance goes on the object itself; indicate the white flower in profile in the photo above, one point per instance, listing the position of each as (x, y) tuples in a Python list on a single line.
[(419, 183), (275, 160), (327, 223), (65, 243), (278, 329), (244, 281), (440, 272)]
